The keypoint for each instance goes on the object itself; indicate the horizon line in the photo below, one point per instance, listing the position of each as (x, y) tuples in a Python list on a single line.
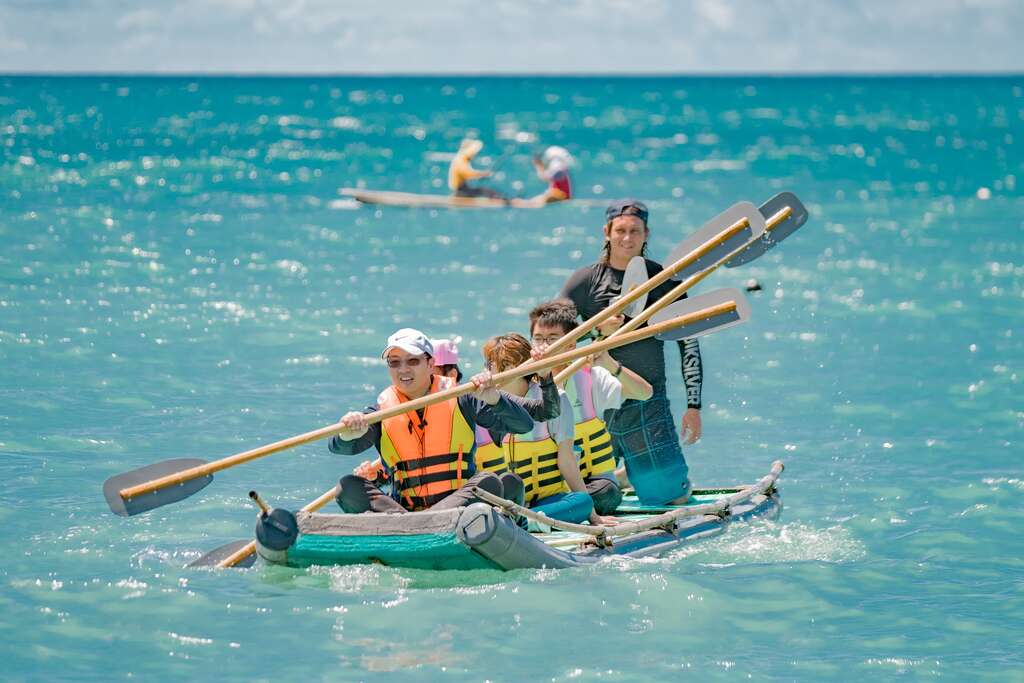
[(517, 74)]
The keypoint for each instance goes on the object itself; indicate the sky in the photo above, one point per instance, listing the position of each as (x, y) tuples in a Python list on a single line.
[(506, 36)]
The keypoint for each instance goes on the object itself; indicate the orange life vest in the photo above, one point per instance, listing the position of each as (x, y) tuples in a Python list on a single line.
[(428, 458)]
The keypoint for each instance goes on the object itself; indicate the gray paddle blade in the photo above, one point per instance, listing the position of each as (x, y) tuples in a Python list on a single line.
[(773, 234), (716, 225), (636, 275), (708, 325), (215, 557), (150, 501)]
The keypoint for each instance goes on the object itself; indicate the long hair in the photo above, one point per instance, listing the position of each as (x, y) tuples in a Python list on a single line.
[(606, 250)]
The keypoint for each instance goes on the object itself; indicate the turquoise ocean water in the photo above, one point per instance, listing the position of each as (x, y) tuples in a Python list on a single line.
[(180, 277)]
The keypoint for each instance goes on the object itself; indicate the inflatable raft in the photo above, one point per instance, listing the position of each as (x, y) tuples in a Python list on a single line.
[(486, 536)]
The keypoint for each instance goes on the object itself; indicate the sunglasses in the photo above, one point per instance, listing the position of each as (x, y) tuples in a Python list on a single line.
[(414, 362)]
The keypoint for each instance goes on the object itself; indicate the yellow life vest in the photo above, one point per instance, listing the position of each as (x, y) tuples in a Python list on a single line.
[(490, 457), (428, 458), (534, 457), (592, 440)]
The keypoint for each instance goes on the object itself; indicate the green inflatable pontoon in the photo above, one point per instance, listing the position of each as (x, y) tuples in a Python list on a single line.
[(485, 536)]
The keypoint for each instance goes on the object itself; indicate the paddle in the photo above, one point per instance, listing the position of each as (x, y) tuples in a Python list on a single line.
[(635, 275), (711, 300), (784, 212), (722, 235), (727, 308), (242, 553), (130, 494)]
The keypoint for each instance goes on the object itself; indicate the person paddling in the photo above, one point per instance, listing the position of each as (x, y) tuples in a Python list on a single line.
[(643, 432), (461, 171), (428, 454), (553, 168), (592, 391), (446, 358), (544, 458)]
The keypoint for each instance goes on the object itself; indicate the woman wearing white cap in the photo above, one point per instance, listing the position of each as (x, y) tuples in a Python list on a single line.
[(428, 453), (553, 168)]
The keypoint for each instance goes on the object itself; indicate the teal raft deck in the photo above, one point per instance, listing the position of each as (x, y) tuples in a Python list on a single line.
[(483, 536)]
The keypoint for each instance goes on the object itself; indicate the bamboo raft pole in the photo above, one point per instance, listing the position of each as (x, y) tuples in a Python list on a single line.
[(602, 534)]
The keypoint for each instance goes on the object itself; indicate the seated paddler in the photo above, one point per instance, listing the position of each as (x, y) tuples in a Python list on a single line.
[(553, 169), (603, 384), (428, 454), (490, 455), (461, 172), (544, 457)]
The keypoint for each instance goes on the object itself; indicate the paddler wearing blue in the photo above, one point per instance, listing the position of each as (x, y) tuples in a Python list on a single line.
[(643, 432), (461, 172), (544, 458), (601, 386), (428, 454)]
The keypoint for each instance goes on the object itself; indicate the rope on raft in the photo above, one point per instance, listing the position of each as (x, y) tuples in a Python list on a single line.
[(666, 520)]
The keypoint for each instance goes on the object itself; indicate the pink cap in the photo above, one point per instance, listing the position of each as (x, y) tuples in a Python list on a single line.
[(445, 352)]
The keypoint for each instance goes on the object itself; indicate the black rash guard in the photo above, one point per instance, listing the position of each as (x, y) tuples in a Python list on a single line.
[(593, 287)]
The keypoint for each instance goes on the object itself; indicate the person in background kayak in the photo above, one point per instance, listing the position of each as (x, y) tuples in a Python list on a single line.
[(428, 453), (544, 458), (446, 358), (461, 171), (553, 168), (600, 387), (643, 432)]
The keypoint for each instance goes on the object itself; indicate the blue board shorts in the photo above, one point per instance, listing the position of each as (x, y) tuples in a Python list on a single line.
[(574, 506), (644, 436)]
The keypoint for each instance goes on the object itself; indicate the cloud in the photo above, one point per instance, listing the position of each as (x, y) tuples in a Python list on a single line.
[(718, 13), (138, 19), (458, 36)]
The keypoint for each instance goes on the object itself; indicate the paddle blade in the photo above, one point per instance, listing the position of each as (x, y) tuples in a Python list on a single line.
[(708, 325), (150, 501), (716, 225), (774, 233), (215, 557), (636, 275)]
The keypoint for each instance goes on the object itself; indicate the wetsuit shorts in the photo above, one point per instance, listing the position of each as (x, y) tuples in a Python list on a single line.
[(644, 434)]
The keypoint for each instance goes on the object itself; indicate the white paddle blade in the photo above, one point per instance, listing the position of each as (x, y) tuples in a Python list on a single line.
[(777, 230), (734, 315), (736, 212), (636, 275)]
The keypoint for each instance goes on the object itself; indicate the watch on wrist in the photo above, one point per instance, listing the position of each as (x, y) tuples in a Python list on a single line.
[(618, 370)]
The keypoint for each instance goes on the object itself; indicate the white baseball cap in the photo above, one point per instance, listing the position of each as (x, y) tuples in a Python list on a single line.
[(555, 152), (409, 340)]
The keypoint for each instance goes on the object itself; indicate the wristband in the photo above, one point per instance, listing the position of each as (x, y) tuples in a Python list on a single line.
[(618, 371)]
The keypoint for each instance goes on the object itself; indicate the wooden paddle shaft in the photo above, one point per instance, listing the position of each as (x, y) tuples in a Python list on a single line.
[(248, 549), (672, 295), (424, 401), (666, 274)]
